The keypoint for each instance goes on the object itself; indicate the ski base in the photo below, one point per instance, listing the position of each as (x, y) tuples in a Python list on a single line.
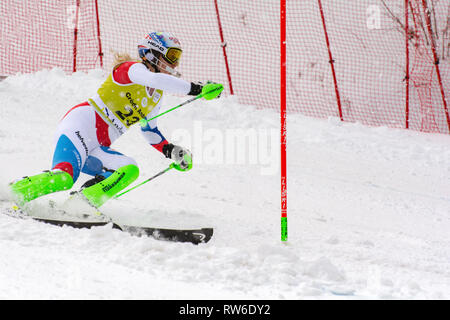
[(195, 236)]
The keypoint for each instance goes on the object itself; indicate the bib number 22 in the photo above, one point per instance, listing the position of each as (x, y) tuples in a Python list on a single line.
[(127, 117)]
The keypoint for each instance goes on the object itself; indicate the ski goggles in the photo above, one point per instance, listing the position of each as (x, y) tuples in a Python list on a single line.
[(172, 55)]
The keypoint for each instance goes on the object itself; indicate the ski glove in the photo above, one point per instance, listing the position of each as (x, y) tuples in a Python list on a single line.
[(210, 90), (181, 156)]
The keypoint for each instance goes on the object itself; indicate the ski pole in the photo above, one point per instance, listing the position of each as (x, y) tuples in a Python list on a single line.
[(149, 179), (144, 122)]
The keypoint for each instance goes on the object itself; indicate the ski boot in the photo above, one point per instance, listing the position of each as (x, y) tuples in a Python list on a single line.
[(32, 187), (100, 189)]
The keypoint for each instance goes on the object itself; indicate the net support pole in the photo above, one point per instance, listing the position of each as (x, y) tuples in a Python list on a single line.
[(75, 36), (223, 43), (331, 60), (407, 64), (283, 161), (100, 52), (426, 12)]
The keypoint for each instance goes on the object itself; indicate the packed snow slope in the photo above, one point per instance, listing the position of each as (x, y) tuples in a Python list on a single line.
[(368, 208)]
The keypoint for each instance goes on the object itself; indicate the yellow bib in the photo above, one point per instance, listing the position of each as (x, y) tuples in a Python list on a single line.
[(124, 104)]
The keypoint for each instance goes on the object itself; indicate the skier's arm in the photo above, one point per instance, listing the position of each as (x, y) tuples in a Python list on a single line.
[(181, 156), (151, 132), (139, 74), (135, 72)]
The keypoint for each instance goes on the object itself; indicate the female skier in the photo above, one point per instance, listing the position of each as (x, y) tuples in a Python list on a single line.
[(132, 91)]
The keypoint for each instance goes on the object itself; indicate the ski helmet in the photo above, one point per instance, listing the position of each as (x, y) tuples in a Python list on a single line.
[(157, 45)]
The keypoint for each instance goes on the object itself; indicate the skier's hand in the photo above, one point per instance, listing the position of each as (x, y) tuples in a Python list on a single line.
[(210, 90), (181, 156)]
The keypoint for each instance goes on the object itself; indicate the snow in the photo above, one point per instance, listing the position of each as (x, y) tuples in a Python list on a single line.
[(368, 208)]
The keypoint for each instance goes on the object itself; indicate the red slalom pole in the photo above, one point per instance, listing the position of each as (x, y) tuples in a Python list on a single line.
[(283, 119)]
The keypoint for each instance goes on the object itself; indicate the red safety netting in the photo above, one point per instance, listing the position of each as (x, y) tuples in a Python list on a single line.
[(370, 61), (36, 35), (368, 53)]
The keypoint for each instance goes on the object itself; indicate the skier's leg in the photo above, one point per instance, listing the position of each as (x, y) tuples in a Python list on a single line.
[(73, 141), (113, 172), (103, 161)]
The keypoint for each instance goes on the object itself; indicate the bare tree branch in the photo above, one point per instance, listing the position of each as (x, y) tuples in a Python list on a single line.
[(393, 16), (446, 36), (419, 26)]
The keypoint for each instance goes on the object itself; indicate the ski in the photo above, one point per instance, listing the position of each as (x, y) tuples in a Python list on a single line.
[(194, 236)]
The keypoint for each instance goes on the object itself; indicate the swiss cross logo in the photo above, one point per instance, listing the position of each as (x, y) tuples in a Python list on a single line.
[(150, 91)]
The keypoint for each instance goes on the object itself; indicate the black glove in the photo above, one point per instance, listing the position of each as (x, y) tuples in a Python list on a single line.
[(196, 88), (167, 150), (181, 156)]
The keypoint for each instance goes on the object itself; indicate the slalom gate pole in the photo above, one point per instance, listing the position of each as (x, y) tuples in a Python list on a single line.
[(144, 122), (284, 228), (148, 180)]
